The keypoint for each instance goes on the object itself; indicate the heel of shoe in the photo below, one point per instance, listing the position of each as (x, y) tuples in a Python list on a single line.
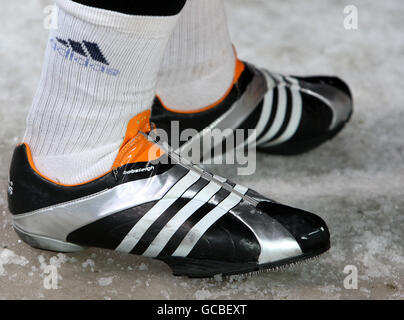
[(45, 243)]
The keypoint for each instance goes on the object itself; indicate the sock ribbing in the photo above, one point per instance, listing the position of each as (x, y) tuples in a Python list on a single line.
[(100, 70), (198, 64)]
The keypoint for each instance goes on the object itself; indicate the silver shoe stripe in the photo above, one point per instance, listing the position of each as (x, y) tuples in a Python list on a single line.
[(293, 81), (279, 117), (277, 77), (235, 116), (207, 221), (187, 211), (297, 109), (138, 230), (186, 163), (275, 241), (265, 114), (59, 221), (336, 108)]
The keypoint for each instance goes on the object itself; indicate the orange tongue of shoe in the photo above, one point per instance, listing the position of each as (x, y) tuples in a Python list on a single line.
[(135, 146), (140, 122)]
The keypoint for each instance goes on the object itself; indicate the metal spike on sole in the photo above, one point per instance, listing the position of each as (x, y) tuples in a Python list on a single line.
[(288, 266)]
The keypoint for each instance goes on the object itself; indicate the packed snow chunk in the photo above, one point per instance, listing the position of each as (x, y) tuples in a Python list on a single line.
[(9, 257), (105, 281)]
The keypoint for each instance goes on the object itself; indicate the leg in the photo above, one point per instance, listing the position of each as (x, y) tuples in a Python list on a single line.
[(100, 70), (198, 64), (197, 85), (90, 118)]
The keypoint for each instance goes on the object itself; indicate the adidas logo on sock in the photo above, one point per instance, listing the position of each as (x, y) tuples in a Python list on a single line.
[(86, 54)]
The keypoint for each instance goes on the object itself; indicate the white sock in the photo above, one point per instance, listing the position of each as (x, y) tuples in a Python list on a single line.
[(100, 70), (199, 61)]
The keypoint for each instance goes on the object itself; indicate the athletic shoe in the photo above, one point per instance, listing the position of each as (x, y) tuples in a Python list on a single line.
[(153, 204), (291, 114)]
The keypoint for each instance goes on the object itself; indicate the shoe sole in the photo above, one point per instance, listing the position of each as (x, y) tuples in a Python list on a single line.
[(192, 268), (195, 268), (45, 243)]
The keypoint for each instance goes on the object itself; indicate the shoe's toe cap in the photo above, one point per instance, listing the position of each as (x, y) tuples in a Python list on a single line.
[(317, 110), (308, 229), (333, 94)]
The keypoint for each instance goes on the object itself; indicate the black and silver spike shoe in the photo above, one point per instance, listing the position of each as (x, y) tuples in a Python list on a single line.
[(291, 115), (154, 205)]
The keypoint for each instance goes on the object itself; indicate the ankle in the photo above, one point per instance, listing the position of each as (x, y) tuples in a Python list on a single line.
[(199, 88), (77, 168)]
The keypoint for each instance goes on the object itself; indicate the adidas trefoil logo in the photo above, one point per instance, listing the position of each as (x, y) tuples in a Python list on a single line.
[(86, 54)]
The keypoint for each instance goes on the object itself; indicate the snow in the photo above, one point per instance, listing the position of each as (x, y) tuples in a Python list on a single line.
[(143, 267), (9, 257), (355, 182), (202, 294), (105, 281)]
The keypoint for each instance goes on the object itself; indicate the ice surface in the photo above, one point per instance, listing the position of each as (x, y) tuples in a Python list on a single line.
[(105, 281), (9, 257), (355, 182)]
